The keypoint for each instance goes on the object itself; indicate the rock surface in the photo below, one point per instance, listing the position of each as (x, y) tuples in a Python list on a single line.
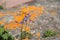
[(49, 20)]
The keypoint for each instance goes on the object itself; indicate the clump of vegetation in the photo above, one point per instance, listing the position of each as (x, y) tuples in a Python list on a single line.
[(1, 7), (49, 33), (25, 34), (58, 0), (4, 35)]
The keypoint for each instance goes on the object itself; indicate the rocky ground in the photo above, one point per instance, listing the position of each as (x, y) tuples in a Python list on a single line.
[(49, 20)]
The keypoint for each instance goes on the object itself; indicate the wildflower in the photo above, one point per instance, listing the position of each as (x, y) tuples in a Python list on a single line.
[(26, 18), (27, 29)]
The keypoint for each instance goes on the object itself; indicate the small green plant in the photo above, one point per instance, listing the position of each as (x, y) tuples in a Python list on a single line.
[(49, 33), (1, 7), (58, 0), (4, 35), (25, 34)]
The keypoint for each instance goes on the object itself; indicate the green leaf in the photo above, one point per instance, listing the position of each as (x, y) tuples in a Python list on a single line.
[(10, 37), (28, 35), (5, 36), (1, 30), (23, 35), (1, 26)]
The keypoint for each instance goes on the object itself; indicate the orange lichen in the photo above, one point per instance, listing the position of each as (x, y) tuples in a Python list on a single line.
[(19, 18), (54, 13), (1, 22), (24, 9), (33, 16), (40, 9), (38, 34), (4, 20), (32, 11), (11, 13), (2, 14), (31, 8), (28, 8), (12, 25)]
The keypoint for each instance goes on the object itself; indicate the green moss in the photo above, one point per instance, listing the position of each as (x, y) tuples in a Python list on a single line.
[(4, 34), (49, 33), (1, 7)]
